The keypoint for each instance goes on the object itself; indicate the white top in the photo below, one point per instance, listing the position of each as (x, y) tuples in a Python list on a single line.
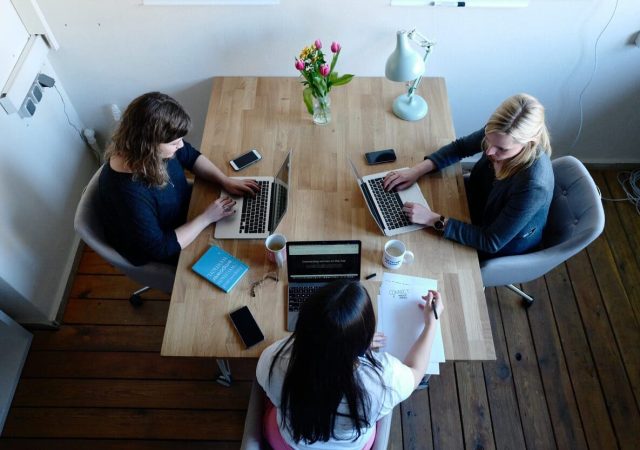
[(398, 380)]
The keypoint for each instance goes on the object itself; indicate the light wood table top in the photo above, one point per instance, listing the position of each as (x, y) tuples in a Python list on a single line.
[(325, 203)]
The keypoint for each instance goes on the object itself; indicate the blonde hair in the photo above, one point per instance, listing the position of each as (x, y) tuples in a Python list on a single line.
[(521, 117), (149, 120)]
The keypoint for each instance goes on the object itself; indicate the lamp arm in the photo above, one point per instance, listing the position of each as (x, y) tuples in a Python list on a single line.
[(416, 82)]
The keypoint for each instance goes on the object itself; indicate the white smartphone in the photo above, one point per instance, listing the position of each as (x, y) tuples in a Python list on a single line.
[(242, 161)]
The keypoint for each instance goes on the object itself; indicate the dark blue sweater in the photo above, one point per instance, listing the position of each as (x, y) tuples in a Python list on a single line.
[(140, 220), (507, 216)]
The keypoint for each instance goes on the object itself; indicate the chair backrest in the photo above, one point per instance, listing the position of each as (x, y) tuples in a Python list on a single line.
[(576, 218), (252, 437), (89, 226)]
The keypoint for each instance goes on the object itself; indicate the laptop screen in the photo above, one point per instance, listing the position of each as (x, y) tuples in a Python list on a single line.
[(279, 194), (323, 260)]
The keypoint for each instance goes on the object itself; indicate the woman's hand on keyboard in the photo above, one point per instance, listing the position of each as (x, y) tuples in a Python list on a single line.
[(420, 214), (234, 186), (399, 181), (222, 207)]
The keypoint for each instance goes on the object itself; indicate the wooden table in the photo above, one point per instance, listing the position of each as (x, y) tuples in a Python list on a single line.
[(324, 203)]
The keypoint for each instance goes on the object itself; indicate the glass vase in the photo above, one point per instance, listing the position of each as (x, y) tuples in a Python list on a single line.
[(322, 110)]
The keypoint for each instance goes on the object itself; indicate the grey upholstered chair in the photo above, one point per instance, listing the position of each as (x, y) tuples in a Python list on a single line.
[(252, 437), (576, 218), (87, 224)]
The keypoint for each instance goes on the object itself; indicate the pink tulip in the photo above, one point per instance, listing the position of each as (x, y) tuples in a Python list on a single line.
[(324, 70), (318, 44), (299, 64), (335, 47)]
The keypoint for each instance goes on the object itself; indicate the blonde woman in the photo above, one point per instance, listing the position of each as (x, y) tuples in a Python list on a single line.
[(509, 189)]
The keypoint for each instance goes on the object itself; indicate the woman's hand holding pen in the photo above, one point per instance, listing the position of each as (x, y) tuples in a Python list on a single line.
[(432, 308)]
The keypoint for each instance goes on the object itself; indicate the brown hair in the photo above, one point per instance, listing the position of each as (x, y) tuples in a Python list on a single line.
[(151, 119), (521, 117)]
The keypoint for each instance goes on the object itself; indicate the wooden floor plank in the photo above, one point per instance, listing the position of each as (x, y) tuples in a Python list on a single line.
[(416, 421), (563, 410), (503, 404), (108, 423), (395, 434), (619, 309), (621, 404), (109, 286), (115, 312), (148, 394), (627, 212), (99, 338), (474, 406), (586, 385), (623, 253), (536, 423), (93, 264), (135, 365), (446, 422)]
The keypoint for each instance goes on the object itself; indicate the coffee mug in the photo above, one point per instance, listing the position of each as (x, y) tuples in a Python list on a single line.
[(395, 253), (276, 245)]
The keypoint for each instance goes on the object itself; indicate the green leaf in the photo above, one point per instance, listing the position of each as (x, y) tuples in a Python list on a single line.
[(307, 96), (344, 79)]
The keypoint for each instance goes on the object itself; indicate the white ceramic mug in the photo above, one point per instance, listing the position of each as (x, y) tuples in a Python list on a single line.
[(276, 245), (395, 253)]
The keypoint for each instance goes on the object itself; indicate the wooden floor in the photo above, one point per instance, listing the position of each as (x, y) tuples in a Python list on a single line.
[(567, 373)]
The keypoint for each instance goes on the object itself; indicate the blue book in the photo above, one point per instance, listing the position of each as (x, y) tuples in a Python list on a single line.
[(220, 268)]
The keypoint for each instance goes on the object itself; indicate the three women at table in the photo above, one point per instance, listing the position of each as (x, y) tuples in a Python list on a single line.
[(327, 386), (509, 189), (143, 189)]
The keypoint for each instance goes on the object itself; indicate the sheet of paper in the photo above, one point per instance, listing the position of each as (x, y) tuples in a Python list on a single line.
[(400, 318)]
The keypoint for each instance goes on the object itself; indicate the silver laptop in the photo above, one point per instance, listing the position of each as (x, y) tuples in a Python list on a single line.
[(386, 207), (257, 217), (313, 264)]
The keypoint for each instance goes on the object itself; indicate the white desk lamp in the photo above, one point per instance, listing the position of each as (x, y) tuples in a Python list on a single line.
[(405, 64)]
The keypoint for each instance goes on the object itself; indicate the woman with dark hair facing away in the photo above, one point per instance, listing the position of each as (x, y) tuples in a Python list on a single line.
[(509, 189), (326, 386), (143, 189)]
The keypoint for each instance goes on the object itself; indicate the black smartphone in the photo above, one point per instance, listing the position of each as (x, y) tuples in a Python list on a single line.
[(245, 160), (246, 326), (380, 156)]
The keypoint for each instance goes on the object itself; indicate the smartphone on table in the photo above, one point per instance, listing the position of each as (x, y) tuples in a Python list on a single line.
[(380, 156), (246, 326), (242, 161)]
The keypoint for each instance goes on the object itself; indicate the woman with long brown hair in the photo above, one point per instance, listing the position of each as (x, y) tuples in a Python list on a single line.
[(143, 189)]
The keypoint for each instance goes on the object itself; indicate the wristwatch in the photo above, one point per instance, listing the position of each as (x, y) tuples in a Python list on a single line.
[(439, 225)]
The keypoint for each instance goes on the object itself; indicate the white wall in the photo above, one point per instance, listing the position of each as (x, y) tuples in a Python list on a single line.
[(112, 51), (43, 167)]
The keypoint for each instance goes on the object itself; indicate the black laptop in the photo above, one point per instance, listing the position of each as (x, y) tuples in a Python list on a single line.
[(312, 264)]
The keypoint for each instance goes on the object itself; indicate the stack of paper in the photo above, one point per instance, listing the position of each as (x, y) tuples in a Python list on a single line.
[(402, 321)]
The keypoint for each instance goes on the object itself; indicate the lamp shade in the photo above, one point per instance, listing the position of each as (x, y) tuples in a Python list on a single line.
[(404, 64)]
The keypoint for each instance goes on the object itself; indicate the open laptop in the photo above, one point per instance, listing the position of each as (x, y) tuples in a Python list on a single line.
[(257, 217), (313, 264), (386, 207)]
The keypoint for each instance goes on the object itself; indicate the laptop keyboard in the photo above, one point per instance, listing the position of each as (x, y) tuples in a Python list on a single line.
[(299, 294), (390, 205), (254, 211)]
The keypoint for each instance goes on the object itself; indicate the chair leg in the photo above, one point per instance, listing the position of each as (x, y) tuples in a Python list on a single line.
[(225, 372), (528, 300), (135, 298)]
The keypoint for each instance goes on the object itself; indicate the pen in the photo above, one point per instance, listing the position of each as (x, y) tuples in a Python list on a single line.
[(454, 4), (435, 313), (368, 277)]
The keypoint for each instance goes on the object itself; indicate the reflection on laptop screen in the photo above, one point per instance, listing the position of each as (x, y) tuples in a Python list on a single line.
[(323, 261), (279, 194)]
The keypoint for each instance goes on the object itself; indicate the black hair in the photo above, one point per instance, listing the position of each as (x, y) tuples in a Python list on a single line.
[(335, 328)]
